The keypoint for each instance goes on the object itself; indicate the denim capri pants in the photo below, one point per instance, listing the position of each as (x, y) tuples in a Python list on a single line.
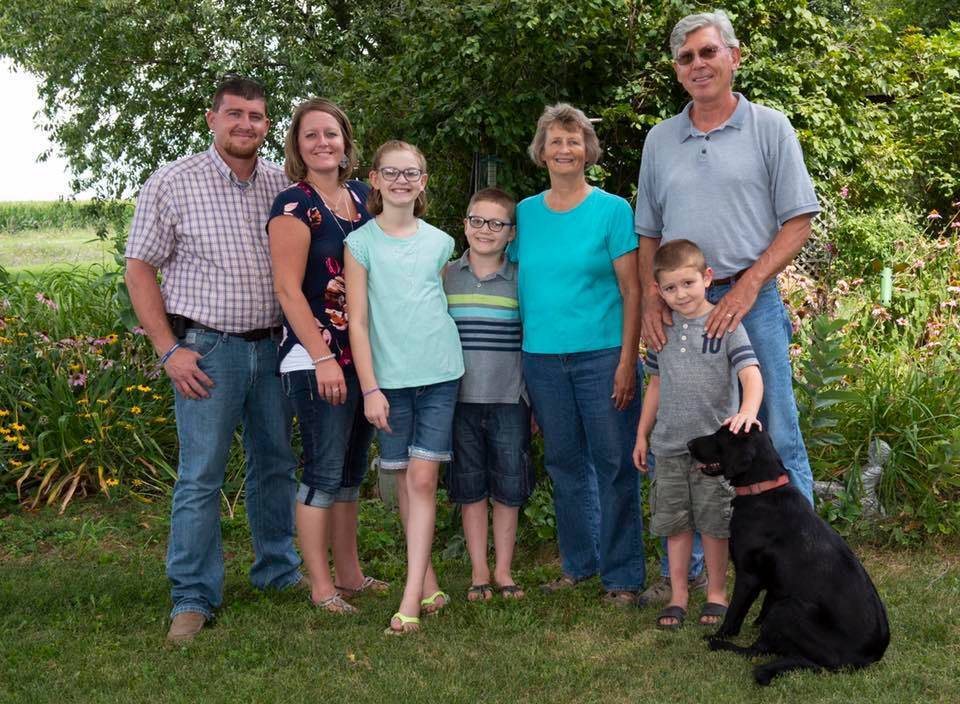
[(421, 418), (336, 440)]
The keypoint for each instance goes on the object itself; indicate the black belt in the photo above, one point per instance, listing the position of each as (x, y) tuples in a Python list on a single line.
[(179, 322), (730, 279)]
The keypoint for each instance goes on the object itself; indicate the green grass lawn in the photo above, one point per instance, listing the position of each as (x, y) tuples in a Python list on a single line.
[(36, 250), (84, 602)]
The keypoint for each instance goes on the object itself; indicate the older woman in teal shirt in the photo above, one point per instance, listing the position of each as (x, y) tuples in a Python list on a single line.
[(579, 300)]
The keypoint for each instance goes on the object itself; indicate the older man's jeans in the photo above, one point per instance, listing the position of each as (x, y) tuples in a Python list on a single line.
[(588, 445), (246, 390), (768, 325)]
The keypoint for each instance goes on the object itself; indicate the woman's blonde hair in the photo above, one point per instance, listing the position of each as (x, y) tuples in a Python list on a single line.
[(375, 199), (293, 164), (571, 119)]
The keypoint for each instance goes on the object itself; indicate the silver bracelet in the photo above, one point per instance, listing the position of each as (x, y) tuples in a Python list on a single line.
[(324, 358)]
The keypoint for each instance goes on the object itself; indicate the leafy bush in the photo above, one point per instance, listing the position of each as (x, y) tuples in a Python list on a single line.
[(80, 409)]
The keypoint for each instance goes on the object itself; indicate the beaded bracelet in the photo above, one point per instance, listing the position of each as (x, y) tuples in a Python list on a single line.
[(169, 352), (324, 358), (370, 391)]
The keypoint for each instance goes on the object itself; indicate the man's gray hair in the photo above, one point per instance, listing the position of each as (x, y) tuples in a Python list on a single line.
[(691, 23)]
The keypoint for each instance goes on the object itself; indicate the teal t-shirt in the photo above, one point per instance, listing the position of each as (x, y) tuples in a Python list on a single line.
[(413, 339), (569, 297)]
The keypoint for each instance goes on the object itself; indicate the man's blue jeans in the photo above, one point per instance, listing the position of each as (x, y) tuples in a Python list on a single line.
[(768, 325), (247, 390), (588, 445)]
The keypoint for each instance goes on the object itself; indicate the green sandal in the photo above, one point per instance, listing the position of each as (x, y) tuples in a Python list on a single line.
[(404, 622), (430, 606)]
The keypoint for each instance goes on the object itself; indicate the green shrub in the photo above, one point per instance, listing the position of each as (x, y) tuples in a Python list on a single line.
[(80, 407)]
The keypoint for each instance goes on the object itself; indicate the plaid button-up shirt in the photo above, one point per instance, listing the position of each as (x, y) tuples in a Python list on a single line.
[(205, 230)]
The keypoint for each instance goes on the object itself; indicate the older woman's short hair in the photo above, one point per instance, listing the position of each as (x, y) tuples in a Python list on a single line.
[(691, 23), (293, 164), (571, 119)]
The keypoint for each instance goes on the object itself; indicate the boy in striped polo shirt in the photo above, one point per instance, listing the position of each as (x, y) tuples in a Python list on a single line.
[(491, 428)]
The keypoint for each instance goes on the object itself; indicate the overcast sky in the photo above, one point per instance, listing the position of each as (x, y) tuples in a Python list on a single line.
[(21, 176)]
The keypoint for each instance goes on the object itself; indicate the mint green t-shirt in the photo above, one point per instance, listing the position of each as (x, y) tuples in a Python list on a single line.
[(569, 297), (413, 339)]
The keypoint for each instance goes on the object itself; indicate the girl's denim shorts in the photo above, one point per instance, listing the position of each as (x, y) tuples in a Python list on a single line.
[(421, 418)]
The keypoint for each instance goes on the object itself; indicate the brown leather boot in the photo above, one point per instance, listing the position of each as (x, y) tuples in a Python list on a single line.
[(185, 626)]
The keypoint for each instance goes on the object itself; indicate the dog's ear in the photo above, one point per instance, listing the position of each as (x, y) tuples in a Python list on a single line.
[(737, 452)]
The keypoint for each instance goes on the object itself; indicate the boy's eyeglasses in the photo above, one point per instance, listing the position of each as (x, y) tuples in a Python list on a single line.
[(706, 53), (392, 174), (476, 222)]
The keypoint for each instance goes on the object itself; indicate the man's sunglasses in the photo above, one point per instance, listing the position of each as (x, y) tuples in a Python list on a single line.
[(707, 53)]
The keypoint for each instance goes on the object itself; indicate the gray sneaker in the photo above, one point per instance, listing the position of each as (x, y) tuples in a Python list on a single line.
[(659, 591)]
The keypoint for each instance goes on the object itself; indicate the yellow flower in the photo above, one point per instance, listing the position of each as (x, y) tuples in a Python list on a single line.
[(18, 426), (23, 447), (157, 397), (5, 340), (4, 412), (22, 334), (131, 387), (88, 441), (136, 410), (86, 415), (10, 438), (112, 482), (144, 389), (103, 401), (16, 463), (82, 401), (137, 482), (74, 367), (4, 431), (112, 338), (159, 419)]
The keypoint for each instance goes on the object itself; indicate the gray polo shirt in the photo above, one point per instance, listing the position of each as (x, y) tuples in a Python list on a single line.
[(487, 314), (729, 190), (698, 382)]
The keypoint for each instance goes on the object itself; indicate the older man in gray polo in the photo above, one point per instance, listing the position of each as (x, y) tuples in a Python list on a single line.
[(214, 321), (729, 175)]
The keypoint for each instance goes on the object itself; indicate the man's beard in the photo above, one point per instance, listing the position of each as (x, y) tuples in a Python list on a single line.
[(241, 152)]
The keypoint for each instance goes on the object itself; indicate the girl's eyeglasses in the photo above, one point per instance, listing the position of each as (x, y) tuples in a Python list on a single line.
[(392, 174)]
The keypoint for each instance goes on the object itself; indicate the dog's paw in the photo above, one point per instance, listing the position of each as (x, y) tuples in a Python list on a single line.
[(714, 641)]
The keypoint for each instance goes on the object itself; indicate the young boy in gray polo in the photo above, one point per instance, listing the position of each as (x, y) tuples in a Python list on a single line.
[(692, 390), (491, 427)]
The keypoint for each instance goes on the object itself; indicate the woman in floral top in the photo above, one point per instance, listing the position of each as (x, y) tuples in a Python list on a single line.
[(307, 226)]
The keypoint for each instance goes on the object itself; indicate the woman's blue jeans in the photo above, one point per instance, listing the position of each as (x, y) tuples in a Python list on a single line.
[(588, 445), (246, 390), (768, 325)]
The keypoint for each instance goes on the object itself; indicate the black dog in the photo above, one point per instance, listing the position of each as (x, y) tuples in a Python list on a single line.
[(821, 610)]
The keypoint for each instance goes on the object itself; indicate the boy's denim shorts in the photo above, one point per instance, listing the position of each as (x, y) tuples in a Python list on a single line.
[(491, 458), (336, 440), (682, 498), (421, 418)]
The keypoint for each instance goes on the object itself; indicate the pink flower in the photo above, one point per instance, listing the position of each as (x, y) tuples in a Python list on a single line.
[(139, 331), (901, 321), (844, 192), (955, 224), (78, 379), (48, 302), (933, 215)]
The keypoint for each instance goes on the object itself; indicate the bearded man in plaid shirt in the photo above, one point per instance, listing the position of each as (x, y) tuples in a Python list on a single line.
[(214, 322)]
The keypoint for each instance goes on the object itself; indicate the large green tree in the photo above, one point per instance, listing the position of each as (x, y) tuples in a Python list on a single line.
[(125, 82)]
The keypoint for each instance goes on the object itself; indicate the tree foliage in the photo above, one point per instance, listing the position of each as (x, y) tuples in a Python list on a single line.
[(125, 82)]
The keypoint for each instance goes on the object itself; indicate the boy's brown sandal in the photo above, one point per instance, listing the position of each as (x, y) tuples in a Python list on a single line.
[(564, 581)]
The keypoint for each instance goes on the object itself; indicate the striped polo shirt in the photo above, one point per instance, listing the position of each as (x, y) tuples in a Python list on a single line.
[(487, 314)]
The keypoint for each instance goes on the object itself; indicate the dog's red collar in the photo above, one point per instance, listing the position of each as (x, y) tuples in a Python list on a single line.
[(761, 487)]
